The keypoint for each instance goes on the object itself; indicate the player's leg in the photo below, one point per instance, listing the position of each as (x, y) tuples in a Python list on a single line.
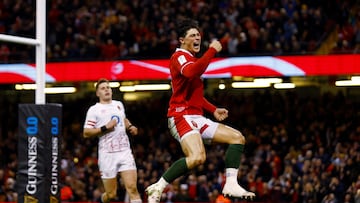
[(236, 141), (192, 145), (108, 163), (129, 178), (194, 151), (110, 185)]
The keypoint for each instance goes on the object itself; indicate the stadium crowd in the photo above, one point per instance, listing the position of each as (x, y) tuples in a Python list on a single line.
[(300, 149), (119, 29)]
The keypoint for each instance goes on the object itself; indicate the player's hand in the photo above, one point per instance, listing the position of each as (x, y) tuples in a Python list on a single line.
[(132, 130), (111, 124), (216, 45), (220, 114)]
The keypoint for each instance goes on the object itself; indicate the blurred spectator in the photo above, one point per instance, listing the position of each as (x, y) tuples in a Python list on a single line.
[(330, 198), (66, 193), (203, 189), (357, 196), (9, 190), (192, 184), (182, 195), (109, 51), (4, 53)]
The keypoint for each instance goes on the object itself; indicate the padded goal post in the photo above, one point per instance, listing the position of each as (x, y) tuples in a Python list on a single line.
[(39, 157)]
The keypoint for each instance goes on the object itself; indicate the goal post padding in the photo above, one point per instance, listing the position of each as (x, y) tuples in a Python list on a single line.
[(39, 153)]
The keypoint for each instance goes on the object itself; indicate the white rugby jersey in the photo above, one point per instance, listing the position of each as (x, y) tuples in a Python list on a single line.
[(99, 115)]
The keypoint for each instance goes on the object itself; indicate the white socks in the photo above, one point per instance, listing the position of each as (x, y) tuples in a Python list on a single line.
[(162, 183), (231, 174)]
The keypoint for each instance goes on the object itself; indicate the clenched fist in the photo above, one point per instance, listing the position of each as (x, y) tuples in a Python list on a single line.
[(216, 45)]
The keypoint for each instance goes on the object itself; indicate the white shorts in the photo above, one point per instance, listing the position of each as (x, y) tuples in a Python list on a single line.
[(110, 164), (185, 125)]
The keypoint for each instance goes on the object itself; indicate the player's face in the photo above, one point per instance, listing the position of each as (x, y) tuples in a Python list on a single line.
[(104, 92), (191, 41)]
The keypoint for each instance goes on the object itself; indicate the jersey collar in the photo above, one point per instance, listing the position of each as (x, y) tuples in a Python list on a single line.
[(184, 50)]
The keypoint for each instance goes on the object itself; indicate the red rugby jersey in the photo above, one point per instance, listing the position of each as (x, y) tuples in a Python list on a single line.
[(187, 86)]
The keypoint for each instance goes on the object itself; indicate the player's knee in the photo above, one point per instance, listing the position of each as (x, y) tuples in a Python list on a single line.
[(239, 138), (200, 160), (131, 189), (242, 139), (197, 160)]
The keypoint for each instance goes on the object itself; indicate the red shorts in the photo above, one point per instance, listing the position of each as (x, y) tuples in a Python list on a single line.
[(182, 126)]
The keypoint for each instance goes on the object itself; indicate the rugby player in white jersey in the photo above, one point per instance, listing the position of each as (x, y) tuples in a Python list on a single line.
[(107, 121)]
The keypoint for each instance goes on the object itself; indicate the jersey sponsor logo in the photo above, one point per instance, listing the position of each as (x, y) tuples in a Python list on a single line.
[(181, 59), (194, 124), (179, 109), (116, 118)]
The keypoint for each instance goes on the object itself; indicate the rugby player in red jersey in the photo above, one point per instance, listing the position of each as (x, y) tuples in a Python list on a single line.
[(186, 119)]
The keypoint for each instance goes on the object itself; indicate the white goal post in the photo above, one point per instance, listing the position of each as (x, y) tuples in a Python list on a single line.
[(40, 44)]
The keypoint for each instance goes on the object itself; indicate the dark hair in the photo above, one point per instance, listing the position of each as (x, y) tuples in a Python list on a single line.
[(186, 24), (100, 81)]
